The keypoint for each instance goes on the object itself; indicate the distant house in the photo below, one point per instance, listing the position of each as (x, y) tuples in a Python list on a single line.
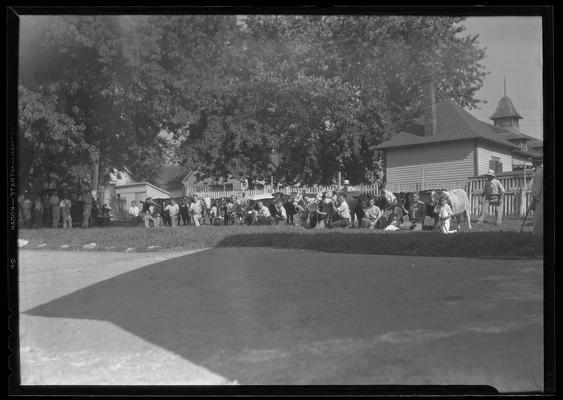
[(192, 184), (447, 144), (116, 177), (139, 191)]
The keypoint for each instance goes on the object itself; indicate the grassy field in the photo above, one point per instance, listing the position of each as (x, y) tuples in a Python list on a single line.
[(485, 240)]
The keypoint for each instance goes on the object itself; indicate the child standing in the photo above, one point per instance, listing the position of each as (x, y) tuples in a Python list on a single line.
[(446, 214), (65, 206)]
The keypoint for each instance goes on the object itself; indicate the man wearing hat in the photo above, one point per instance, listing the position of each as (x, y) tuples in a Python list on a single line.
[(493, 193), (537, 196)]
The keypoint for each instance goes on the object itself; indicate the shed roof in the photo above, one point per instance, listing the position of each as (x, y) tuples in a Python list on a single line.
[(142, 184), (453, 124)]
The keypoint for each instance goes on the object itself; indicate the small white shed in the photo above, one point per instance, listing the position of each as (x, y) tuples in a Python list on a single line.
[(139, 191)]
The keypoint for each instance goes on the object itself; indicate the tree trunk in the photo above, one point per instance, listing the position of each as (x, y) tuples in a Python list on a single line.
[(95, 175)]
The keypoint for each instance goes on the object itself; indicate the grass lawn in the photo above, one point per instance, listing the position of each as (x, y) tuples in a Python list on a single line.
[(485, 240)]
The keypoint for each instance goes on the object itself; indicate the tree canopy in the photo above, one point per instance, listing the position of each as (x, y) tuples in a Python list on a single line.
[(295, 97)]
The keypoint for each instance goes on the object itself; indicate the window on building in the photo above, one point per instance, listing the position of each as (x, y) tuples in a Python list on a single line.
[(523, 146), (228, 187), (495, 164)]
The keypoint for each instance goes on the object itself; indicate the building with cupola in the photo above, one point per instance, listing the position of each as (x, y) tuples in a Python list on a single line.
[(447, 144)]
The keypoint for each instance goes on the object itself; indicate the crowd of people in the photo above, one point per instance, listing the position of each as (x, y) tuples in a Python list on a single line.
[(48, 208), (198, 211), (54, 208)]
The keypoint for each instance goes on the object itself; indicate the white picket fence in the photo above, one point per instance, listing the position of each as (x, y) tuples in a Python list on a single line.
[(372, 189), (517, 198)]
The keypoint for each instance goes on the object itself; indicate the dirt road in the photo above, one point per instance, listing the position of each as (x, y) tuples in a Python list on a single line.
[(267, 316)]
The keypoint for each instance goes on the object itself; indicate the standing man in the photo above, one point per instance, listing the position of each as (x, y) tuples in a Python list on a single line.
[(417, 212), (27, 205), (196, 210), (493, 193), (87, 200), (47, 216), (185, 211), (55, 208), (66, 205), (537, 197), (173, 210), (38, 212)]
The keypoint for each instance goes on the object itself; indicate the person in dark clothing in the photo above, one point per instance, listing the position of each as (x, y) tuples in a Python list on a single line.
[(47, 218), (185, 211), (164, 214), (94, 212)]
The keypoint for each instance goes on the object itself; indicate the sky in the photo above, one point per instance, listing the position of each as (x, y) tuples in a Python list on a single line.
[(514, 51)]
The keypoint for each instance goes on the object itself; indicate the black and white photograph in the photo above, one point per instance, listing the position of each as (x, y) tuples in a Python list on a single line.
[(214, 198)]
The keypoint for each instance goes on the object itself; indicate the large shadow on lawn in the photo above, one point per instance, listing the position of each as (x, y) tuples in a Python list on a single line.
[(422, 243), (253, 314)]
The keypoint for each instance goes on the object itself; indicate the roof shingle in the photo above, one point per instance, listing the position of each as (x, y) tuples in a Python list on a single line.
[(505, 109), (453, 123)]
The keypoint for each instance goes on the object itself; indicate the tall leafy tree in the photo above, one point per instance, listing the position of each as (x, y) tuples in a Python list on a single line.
[(103, 87), (308, 96), (295, 97)]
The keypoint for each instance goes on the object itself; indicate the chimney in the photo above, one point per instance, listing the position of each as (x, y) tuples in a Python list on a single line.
[(429, 107)]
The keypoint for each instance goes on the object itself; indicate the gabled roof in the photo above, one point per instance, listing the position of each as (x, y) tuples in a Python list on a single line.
[(142, 184), (505, 109), (535, 143), (453, 124), (130, 173)]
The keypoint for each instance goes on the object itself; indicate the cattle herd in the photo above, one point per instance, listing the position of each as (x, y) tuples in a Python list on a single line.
[(316, 210)]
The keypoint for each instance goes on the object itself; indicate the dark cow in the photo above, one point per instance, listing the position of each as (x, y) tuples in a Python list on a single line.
[(287, 201), (431, 207)]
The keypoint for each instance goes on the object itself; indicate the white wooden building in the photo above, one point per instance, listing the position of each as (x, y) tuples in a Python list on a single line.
[(139, 191), (449, 144)]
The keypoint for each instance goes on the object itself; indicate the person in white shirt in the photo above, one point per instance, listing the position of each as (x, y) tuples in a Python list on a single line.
[(65, 206), (347, 187), (263, 215), (373, 214), (196, 210), (446, 214), (342, 216), (173, 210), (282, 214), (493, 194), (214, 215), (134, 211), (537, 197)]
